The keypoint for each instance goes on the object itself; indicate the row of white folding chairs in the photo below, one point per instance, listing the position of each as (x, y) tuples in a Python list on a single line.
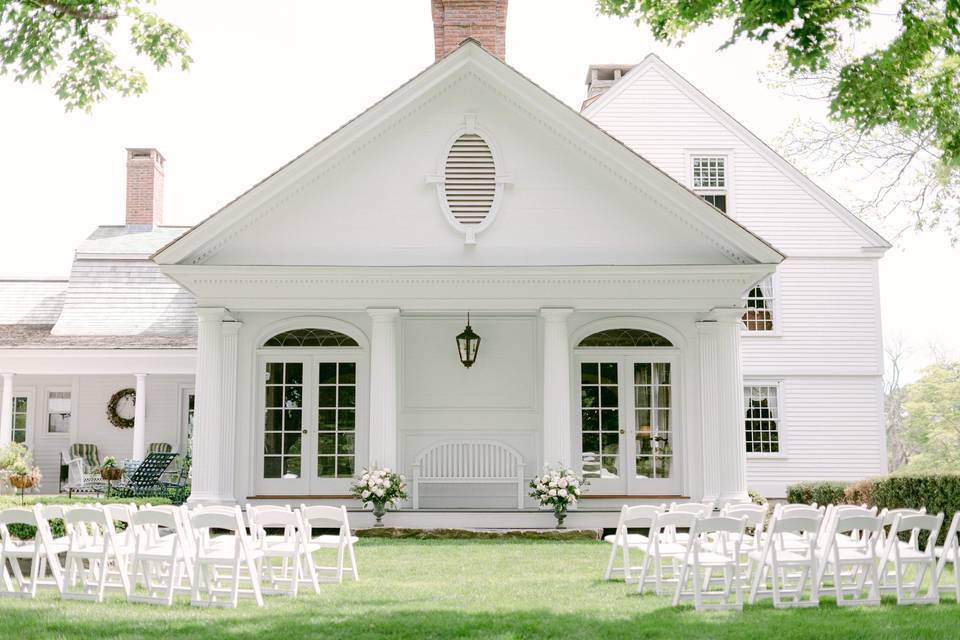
[(803, 545), (167, 549)]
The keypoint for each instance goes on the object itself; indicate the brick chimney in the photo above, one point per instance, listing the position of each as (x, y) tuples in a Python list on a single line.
[(456, 20), (144, 187)]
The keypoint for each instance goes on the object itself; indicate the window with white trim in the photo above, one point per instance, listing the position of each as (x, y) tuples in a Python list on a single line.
[(59, 410), (19, 433), (759, 302), (710, 180), (762, 417)]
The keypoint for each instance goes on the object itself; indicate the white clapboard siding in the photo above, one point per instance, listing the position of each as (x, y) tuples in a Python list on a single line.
[(830, 431), (656, 119), (829, 321), (31, 301), (124, 297)]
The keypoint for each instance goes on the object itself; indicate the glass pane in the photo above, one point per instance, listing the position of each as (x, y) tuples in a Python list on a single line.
[(347, 396), (327, 396), (588, 373), (590, 396), (644, 467), (610, 420), (326, 466), (591, 443), (291, 444), (293, 373), (271, 467), (347, 418), (345, 466), (20, 437), (291, 467), (272, 443), (608, 397), (590, 419), (19, 404), (20, 421), (348, 373), (293, 397), (663, 372), (274, 372), (610, 466), (274, 396), (608, 373), (327, 419), (327, 373), (642, 397), (327, 444), (345, 443), (273, 421), (292, 420)]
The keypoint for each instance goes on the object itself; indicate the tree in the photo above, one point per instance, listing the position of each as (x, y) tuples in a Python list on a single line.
[(895, 415), (71, 39), (932, 419), (899, 101)]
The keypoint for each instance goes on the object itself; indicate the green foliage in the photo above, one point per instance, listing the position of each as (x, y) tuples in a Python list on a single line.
[(822, 492), (27, 532), (912, 82), (931, 425), (935, 492), (756, 498), (71, 40)]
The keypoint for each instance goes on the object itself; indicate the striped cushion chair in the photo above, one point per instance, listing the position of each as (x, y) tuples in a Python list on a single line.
[(160, 447), (83, 462)]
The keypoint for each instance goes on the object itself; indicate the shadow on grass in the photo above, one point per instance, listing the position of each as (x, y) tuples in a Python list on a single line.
[(310, 618)]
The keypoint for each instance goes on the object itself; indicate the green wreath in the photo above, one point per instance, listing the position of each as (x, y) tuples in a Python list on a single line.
[(115, 418)]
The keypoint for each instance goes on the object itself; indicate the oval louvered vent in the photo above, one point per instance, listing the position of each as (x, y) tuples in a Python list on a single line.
[(470, 179)]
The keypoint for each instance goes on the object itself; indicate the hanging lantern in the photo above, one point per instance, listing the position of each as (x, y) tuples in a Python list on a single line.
[(468, 343)]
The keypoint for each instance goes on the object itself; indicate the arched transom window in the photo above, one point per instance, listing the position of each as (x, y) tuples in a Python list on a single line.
[(625, 338), (311, 338)]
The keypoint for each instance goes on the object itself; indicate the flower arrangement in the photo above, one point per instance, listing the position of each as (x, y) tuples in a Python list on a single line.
[(379, 487), (110, 470), (109, 463), (17, 470), (557, 488)]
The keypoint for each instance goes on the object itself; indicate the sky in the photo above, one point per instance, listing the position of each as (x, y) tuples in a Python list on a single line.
[(268, 81)]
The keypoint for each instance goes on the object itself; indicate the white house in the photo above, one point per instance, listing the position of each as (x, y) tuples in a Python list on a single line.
[(663, 302)]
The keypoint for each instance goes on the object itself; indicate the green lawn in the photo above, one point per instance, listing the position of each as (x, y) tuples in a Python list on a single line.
[(470, 589)]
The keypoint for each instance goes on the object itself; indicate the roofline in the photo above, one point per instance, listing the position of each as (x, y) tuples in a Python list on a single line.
[(751, 139), (29, 279), (465, 49)]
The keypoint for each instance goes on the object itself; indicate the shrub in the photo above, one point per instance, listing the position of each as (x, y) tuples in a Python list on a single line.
[(860, 492), (822, 492), (935, 492), (27, 532)]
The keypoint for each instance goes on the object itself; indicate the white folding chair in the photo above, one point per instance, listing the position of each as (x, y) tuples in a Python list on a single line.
[(328, 517), (714, 545), (52, 546), (799, 541), (786, 571), (886, 541), (912, 555), (949, 552), (668, 548), (159, 556), (636, 517), (850, 557), (756, 516), (13, 550), (93, 540), (290, 547), (231, 552)]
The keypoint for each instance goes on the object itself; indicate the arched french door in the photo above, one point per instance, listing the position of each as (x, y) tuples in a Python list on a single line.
[(311, 434), (628, 400)]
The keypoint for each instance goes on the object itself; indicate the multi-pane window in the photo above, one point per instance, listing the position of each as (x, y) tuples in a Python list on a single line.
[(336, 419), (759, 302), (710, 180), (283, 422), (651, 384), (600, 419), (59, 409), (762, 421), (19, 419)]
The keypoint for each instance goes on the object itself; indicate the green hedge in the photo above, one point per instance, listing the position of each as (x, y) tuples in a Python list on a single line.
[(822, 492), (27, 532)]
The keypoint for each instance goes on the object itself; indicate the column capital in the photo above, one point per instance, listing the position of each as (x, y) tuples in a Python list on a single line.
[(231, 327), (211, 314), (724, 315), (140, 376), (383, 314), (556, 314)]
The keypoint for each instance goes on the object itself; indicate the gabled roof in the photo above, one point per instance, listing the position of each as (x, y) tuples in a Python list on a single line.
[(652, 60), (735, 240), (126, 240)]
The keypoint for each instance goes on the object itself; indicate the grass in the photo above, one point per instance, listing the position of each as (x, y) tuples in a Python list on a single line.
[(470, 589)]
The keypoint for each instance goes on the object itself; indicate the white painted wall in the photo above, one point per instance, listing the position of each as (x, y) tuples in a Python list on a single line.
[(827, 353)]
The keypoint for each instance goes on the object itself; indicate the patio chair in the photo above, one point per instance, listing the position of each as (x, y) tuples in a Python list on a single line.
[(219, 561), (93, 540), (922, 559), (145, 481), (852, 545), (786, 571), (886, 542), (290, 547), (160, 556), (321, 516), (83, 468), (668, 548), (949, 552), (159, 447), (756, 515), (635, 517), (13, 550), (52, 547), (714, 545)]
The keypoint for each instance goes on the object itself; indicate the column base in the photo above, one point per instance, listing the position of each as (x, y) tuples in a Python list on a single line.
[(720, 500), (208, 500)]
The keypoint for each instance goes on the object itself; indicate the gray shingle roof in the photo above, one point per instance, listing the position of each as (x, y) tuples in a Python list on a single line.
[(31, 301), (38, 336)]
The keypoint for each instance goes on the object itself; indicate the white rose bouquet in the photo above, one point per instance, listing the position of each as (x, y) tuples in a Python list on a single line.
[(557, 488), (379, 487)]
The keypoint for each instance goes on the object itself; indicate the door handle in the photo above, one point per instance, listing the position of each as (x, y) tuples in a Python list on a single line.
[(622, 431), (304, 431)]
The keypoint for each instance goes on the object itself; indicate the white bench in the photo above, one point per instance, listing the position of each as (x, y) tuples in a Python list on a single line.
[(468, 461)]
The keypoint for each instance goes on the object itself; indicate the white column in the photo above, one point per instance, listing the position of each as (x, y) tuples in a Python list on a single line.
[(556, 387), (6, 410), (721, 397), (228, 411), (207, 458), (383, 388), (140, 418)]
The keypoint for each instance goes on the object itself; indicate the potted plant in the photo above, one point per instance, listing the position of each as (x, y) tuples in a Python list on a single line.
[(379, 487), (557, 488), (22, 477)]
